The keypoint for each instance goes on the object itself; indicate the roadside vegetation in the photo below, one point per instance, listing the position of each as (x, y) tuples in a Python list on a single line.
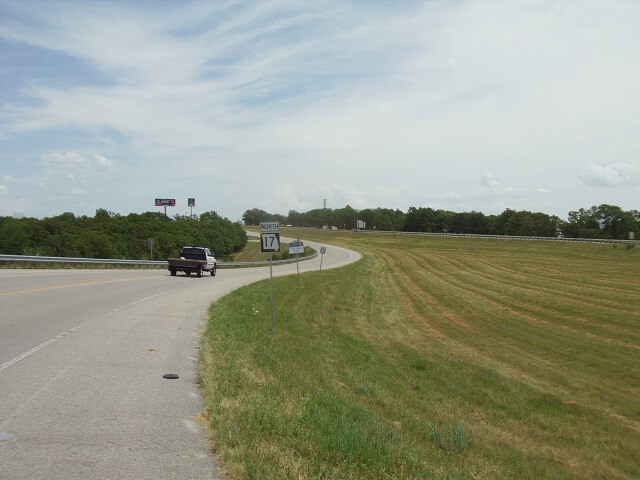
[(252, 253), (603, 221), (441, 358), (110, 235)]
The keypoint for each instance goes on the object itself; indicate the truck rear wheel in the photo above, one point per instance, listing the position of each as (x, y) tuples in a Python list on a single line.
[(173, 272), (199, 272), (213, 271)]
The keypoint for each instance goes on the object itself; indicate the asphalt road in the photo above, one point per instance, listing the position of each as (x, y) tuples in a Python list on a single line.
[(82, 359)]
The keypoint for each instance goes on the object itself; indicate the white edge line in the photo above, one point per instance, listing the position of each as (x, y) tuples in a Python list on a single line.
[(26, 354)]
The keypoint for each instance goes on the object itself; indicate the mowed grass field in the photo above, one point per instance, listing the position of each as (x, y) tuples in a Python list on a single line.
[(438, 358)]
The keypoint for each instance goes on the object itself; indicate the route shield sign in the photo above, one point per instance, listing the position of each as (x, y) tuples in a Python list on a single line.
[(269, 242)]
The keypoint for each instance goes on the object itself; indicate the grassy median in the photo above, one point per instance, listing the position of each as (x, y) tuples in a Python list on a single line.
[(432, 358)]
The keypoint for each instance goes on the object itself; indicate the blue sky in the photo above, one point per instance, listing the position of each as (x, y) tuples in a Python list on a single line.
[(460, 105)]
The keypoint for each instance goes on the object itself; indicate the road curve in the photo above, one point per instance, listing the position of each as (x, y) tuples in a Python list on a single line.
[(82, 359)]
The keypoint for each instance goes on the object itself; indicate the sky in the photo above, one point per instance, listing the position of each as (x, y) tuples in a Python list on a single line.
[(277, 105)]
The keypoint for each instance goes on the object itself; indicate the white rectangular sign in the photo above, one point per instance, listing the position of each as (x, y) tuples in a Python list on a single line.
[(296, 247), (269, 226)]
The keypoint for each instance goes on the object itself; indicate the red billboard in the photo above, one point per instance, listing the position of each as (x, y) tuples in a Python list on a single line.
[(165, 202)]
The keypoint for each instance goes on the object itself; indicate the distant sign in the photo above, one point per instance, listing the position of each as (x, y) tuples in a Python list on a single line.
[(269, 242), (269, 226), (323, 250), (165, 202), (296, 247), (191, 202)]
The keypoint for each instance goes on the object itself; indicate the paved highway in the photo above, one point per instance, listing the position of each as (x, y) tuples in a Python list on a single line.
[(82, 359)]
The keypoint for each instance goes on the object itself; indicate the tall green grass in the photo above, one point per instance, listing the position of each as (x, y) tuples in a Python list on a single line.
[(432, 358)]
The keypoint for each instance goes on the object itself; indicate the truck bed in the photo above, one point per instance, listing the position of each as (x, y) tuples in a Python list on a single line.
[(185, 262), (186, 265)]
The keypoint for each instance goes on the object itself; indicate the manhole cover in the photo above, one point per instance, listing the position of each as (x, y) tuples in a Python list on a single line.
[(170, 375), (7, 437)]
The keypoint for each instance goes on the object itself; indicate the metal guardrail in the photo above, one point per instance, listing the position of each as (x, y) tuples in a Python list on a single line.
[(502, 237), (25, 259), (477, 235)]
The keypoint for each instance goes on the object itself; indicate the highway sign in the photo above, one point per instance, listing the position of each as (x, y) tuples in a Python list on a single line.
[(323, 250), (269, 242), (269, 226), (296, 247)]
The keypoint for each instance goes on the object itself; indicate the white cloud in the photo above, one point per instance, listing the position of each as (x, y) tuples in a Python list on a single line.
[(492, 196), (74, 164), (104, 163), (620, 174), (64, 160), (3, 189), (488, 181), (285, 198), (338, 196)]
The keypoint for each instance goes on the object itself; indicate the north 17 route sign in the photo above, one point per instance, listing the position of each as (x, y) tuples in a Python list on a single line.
[(269, 242)]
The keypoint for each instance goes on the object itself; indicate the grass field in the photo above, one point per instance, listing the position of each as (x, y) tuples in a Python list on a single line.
[(433, 358)]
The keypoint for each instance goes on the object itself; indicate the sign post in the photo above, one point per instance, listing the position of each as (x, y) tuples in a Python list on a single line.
[(150, 243), (191, 202), (297, 248), (323, 250), (270, 242)]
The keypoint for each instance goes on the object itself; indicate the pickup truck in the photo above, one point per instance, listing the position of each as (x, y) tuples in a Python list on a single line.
[(193, 260)]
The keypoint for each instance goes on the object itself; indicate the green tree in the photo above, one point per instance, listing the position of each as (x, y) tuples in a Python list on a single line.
[(255, 216), (614, 222), (582, 224), (13, 237), (344, 218)]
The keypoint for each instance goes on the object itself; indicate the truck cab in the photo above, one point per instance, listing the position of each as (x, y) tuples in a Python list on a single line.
[(193, 260), (199, 253)]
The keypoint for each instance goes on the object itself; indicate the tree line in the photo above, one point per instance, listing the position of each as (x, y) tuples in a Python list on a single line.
[(603, 221), (110, 235)]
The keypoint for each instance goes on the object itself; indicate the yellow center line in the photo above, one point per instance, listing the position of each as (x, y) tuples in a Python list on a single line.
[(77, 284)]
